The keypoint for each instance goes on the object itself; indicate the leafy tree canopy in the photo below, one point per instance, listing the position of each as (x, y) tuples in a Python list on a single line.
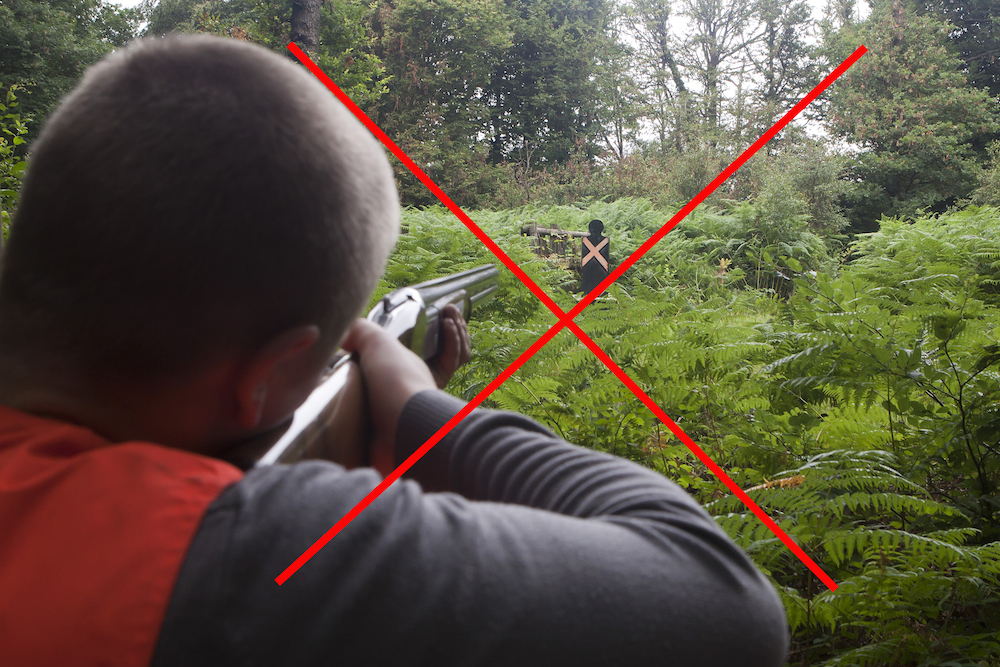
[(542, 94), (976, 36), (920, 129), (342, 51), (45, 45)]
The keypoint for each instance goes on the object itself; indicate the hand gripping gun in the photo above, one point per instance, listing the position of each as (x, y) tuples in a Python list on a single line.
[(334, 417)]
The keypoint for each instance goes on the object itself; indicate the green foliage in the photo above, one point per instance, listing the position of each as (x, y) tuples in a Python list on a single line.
[(856, 406), (542, 93), (920, 128), (619, 94), (46, 45), (439, 55), (976, 37), (738, 245), (806, 179), (910, 328), (477, 85), (912, 589), (438, 58), (906, 256), (12, 131), (507, 103), (343, 51), (788, 65), (988, 191), (579, 179)]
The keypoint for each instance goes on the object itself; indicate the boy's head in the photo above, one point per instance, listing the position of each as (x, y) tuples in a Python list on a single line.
[(192, 196)]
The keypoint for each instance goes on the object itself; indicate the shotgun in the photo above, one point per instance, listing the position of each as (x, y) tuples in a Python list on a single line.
[(334, 417)]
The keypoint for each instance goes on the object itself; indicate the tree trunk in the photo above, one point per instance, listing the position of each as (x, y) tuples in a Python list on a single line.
[(712, 96), (305, 24)]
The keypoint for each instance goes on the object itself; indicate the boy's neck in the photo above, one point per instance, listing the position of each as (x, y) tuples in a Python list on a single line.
[(184, 415)]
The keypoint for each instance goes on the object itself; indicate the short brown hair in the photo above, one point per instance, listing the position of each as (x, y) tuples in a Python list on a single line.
[(190, 196)]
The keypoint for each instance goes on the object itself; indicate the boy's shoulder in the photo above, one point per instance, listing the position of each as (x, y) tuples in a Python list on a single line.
[(96, 533)]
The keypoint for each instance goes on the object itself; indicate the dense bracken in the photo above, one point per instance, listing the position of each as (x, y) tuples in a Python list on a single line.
[(857, 399)]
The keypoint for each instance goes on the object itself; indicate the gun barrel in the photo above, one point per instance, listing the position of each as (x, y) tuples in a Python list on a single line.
[(477, 281), (412, 314)]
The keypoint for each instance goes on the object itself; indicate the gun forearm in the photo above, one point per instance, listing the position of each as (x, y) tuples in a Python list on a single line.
[(332, 420), (412, 313)]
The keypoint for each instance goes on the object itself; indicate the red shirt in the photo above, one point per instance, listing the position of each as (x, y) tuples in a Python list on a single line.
[(92, 537)]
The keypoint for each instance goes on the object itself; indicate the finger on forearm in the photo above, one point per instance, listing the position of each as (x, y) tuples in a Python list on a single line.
[(466, 343), (359, 336), (439, 365)]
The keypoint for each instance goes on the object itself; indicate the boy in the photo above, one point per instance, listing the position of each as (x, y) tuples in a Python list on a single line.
[(200, 224)]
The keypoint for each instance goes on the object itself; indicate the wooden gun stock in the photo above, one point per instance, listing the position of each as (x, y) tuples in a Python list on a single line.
[(332, 424)]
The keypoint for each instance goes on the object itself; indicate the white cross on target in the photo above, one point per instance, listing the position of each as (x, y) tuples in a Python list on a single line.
[(595, 252)]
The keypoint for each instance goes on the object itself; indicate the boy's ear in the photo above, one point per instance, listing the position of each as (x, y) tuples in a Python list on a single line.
[(275, 378)]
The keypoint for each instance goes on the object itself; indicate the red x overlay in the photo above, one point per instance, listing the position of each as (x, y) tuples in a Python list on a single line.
[(566, 319)]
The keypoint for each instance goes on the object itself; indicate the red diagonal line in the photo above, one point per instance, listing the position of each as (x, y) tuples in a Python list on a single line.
[(719, 180), (705, 458), (415, 456), (564, 318), (426, 180)]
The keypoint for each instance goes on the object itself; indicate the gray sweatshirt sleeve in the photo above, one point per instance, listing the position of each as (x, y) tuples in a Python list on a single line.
[(505, 546)]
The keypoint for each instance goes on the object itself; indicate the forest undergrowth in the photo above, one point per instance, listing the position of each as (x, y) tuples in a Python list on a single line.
[(851, 390)]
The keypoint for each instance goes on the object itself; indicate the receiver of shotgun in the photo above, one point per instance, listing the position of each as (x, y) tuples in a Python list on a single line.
[(334, 417)]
